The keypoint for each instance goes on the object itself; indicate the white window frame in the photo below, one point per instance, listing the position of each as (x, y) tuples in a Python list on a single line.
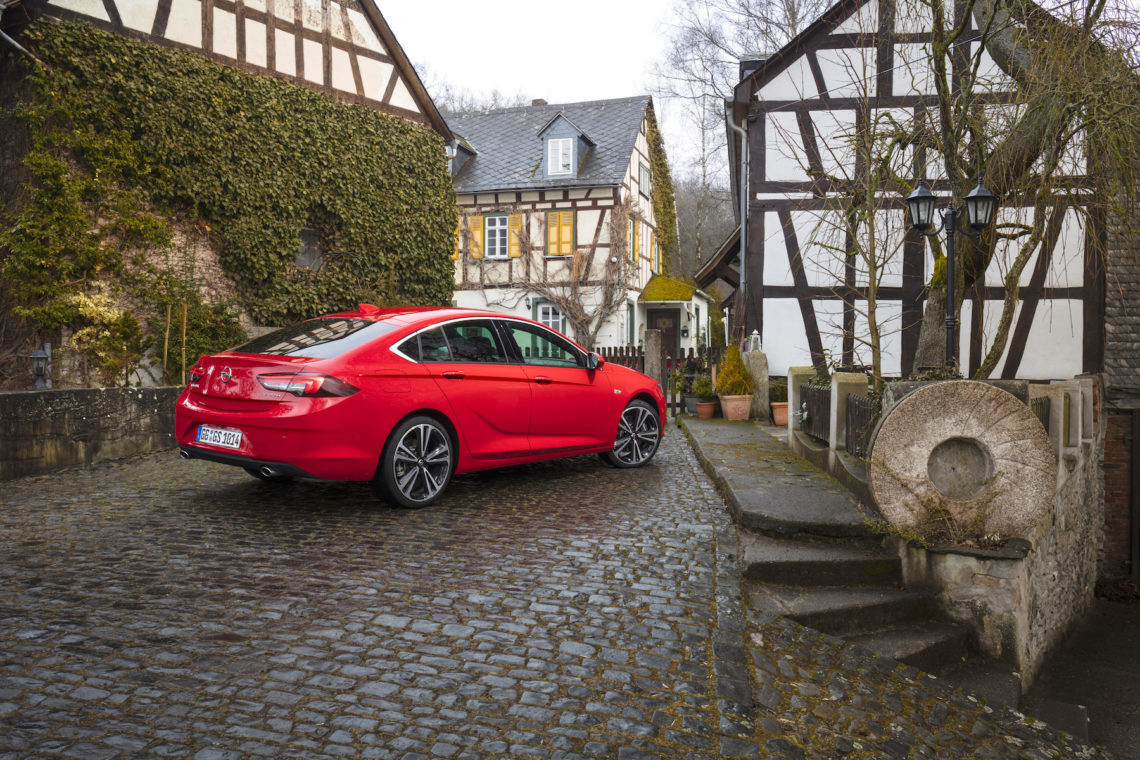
[(551, 316), (560, 156), (496, 243), (645, 180)]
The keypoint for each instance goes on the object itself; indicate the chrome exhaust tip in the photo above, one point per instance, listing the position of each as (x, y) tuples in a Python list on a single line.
[(184, 454), (267, 472)]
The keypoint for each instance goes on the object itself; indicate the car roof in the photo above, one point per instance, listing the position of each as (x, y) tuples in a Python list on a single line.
[(417, 314)]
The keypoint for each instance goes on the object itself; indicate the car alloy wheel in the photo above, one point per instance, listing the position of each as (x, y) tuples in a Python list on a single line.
[(638, 436), (417, 463)]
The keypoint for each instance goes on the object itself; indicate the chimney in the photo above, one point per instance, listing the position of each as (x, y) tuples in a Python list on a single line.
[(750, 63), (538, 102)]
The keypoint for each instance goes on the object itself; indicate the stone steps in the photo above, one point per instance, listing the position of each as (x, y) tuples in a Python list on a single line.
[(844, 611), (930, 645), (794, 560)]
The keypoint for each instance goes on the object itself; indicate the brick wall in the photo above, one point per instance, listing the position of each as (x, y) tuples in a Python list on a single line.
[(1117, 477)]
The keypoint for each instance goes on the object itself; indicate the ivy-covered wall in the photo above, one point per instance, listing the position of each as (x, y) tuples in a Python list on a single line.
[(664, 202), (132, 143)]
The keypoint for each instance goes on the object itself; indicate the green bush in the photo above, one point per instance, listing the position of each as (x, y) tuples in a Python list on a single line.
[(703, 387), (778, 390), (733, 379)]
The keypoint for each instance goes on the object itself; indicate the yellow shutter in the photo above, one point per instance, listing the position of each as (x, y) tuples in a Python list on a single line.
[(476, 239), (514, 231), (651, 244), (636, 229), (455, 253), (566, 237), (559, 233)]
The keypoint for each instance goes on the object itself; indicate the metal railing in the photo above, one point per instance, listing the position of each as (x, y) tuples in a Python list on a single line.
[(1040, 407), (862, 411), (816, 411)]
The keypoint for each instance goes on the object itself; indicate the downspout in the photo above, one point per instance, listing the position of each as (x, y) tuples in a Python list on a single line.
[(743, 193)]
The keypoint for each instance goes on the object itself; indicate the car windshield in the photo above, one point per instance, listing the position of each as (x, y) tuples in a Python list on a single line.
[(317, 338)]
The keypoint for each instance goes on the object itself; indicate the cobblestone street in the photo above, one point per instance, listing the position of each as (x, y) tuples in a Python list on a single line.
[(163, 608)]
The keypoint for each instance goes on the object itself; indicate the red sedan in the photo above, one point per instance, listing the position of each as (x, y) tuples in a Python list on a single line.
[(406, 397)]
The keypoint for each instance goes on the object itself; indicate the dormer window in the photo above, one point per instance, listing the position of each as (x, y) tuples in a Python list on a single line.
[(560, 155)]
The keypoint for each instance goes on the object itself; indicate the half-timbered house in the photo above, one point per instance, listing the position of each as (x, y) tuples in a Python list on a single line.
[(865, 63), (542, 190)]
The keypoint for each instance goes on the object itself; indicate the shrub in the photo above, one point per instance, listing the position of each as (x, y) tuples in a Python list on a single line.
[(733, 379), (778, 391), (703, 387)]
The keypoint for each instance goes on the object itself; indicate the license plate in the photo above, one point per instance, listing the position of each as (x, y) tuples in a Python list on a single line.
[(227, 439)]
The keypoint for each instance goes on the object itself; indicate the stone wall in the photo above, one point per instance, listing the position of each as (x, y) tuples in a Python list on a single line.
[(42, 431), (1118, 443), (1122, 311)]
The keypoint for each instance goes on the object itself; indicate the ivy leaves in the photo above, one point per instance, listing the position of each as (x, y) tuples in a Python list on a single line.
[(124, 128)]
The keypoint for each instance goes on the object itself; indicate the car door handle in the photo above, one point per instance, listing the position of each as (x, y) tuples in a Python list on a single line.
[(454, 374), (543, 380)]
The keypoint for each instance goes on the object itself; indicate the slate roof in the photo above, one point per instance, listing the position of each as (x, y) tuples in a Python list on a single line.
[(509, 149)]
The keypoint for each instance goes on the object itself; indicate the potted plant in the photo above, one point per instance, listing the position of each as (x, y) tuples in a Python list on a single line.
[(778, 401), (706, 401), (734, 386)]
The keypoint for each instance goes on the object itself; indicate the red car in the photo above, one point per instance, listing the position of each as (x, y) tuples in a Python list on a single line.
[(406, 397)]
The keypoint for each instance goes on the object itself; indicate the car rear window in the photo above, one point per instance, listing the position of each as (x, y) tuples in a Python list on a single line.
[(317, 338)]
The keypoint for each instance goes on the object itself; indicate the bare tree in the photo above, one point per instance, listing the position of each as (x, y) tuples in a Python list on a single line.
[(451, 98)]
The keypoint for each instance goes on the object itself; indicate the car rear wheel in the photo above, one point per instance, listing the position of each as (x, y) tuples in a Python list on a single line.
[(639, 434), (416, 465)]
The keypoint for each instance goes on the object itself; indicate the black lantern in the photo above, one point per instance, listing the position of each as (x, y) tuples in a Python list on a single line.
[(39, 359), (921, 205), (980, 206)]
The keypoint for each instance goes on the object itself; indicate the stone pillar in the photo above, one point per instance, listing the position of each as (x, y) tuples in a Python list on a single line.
[(797, 376), (756, 362), (655, 356), (843, 383)]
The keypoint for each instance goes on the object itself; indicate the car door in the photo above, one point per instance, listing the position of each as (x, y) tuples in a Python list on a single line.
[(489, 394), (571, 407)]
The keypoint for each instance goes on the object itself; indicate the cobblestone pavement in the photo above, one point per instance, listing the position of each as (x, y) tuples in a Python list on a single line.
[(163, 608)]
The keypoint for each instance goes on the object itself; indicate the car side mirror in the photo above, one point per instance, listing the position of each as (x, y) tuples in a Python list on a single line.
[(593, 361)]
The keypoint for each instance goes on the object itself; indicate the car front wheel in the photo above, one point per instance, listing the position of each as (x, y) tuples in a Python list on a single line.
[(416, 465), (639, 434)]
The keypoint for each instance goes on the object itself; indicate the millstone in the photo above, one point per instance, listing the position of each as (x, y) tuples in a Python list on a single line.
[(970, 447)]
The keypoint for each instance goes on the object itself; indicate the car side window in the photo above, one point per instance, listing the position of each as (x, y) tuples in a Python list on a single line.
[(427, 346), (474, 340), (543, 348)]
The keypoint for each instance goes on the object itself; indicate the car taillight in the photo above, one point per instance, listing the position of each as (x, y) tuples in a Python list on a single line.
[(306, 384), (196, 373)]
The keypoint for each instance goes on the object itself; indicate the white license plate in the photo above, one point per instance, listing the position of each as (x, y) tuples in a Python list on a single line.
[(227, 439)]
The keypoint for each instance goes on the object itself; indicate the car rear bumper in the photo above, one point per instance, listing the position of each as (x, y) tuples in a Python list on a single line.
[(266, 468)]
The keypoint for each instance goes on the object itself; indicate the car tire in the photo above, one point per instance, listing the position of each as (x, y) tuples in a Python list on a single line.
[(254, 472), (416, 465), (638, 436)]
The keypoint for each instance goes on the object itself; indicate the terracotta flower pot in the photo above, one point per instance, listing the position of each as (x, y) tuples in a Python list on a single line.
[(779, 412), (705, 409), (736, 408)]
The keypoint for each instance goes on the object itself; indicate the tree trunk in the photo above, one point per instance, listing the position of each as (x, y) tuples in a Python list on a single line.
[(931, 351)]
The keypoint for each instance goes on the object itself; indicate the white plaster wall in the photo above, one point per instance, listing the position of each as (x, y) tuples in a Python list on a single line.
[(794, 83), (783, 150)]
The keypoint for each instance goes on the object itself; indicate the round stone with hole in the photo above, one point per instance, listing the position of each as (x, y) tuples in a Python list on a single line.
[(966, 447)]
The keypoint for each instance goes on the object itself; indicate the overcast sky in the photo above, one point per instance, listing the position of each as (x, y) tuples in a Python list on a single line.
[(562, 52)]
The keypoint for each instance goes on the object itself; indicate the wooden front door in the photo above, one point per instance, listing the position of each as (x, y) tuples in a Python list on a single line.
[(668, 321)]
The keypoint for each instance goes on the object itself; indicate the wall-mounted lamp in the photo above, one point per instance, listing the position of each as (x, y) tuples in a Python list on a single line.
[(684, 332), (527, 302)]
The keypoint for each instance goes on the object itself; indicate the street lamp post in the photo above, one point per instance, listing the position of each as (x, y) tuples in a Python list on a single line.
[(980, 207)]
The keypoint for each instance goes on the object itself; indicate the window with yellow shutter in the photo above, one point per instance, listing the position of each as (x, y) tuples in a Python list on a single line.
[(559, 233)]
